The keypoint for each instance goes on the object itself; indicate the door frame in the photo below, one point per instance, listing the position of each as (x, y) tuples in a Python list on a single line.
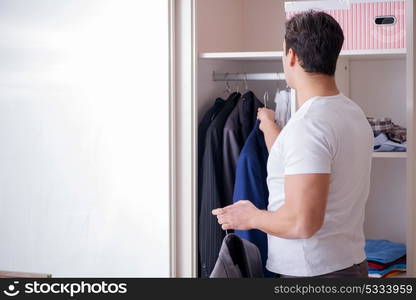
[(411, 132), (183, 139)]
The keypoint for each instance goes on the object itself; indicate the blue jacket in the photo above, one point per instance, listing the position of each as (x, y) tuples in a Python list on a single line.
[(251, 184)]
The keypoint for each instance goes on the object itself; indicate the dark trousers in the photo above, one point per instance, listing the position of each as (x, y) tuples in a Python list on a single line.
[(355, 271)]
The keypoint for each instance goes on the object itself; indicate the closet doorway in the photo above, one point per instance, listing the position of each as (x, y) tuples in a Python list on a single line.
[(245, 36)]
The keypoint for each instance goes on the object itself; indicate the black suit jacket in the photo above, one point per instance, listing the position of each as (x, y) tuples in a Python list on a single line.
[(236, 130), (211, 189), (207, 119)]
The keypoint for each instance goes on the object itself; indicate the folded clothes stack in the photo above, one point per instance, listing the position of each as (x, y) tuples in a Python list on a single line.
[(385, 258), (388, 137)]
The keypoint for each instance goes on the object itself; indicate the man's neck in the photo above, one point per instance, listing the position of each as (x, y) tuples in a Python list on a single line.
[(315, 85)]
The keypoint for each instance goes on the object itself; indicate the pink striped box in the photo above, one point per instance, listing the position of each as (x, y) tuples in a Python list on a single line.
[(362, 21)]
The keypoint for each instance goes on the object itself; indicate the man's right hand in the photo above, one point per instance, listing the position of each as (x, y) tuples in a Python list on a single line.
[(266, 117), (268, 126)]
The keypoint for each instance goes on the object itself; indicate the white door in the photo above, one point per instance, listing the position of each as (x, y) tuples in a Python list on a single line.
[(84, 137)]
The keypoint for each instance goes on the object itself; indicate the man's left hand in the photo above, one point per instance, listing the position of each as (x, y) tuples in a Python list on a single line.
[(240, 215)]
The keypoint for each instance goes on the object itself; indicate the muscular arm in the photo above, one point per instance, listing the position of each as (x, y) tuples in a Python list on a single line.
[(271, 131), (300, 217), (302, 214)]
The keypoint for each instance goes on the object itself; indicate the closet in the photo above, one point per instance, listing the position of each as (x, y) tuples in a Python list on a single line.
[(246, 36)]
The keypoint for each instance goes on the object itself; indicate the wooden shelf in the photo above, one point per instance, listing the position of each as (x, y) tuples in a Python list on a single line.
[(389, 155), (277, 55), (266, 55), (374, 54)]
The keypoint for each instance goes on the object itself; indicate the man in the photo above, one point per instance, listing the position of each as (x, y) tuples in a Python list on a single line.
[(318, 167)]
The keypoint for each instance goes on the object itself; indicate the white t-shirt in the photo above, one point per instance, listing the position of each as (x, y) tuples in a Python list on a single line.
[(326, 135)]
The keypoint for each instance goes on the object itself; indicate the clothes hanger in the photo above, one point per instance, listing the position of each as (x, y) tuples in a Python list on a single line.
[(238, 86), (246, 89), (266, 98), (228, 89), (277, 86), (277, 90), (245, 82)]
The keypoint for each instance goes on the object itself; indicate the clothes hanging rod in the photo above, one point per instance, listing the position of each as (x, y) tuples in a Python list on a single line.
[(247, 76)]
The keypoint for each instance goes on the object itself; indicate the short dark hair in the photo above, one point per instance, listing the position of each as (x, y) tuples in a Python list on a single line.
[(317, 39)]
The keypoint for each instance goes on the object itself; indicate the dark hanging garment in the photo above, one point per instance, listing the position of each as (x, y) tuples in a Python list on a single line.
[(251, 184), (236, 130), (212, 189), (238, 258), (202, 132)]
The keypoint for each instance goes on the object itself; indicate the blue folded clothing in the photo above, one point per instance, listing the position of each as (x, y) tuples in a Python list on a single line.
[(384, 251)]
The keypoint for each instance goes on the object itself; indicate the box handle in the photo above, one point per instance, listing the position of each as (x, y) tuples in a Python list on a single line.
[(385, 20)]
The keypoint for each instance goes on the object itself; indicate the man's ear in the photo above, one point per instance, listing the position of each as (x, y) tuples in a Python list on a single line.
[(292, 57)]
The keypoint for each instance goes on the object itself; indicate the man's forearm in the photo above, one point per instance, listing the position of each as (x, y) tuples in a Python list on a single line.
[(282, 223), (271, 131)]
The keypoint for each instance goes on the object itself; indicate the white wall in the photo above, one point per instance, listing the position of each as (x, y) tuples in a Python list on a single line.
[(240, 25), (84, 186), (263, 25), (379, 87), (386, 206), (219, 25)]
